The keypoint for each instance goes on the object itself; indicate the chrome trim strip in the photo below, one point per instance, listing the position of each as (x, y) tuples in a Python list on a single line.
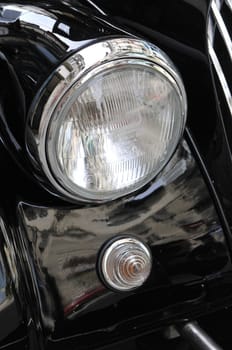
[(96, 7), (221, 76), (229, 4), (222, 28), (197, 337)]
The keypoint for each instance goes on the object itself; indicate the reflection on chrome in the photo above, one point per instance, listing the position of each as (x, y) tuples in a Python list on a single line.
[(216, 22), (107, 120)]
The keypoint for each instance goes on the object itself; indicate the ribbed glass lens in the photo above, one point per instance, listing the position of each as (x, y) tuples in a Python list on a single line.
[(114, 133), (125, 264)]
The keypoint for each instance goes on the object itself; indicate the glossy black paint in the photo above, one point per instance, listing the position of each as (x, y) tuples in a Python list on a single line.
[(28, 329), (192, 270), (9, 308), (33, 42), (175, 216), (168, 17), (33, 53), (37, 39), (12, 102), (180, 29)]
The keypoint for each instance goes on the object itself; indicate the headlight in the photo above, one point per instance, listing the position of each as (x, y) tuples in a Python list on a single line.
[(107, 120)]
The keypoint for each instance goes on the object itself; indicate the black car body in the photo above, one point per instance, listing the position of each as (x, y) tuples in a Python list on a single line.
[(51, 294)]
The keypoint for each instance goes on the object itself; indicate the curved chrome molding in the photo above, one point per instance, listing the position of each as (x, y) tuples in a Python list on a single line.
[(229, 4), (197, 337), (221, 76), (222, 27), (78, 68), (216, 21), (96, 7)]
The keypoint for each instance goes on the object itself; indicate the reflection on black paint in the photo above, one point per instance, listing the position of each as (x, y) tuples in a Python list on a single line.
[(177, 220)]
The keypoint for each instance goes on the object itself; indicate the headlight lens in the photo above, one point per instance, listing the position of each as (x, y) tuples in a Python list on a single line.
[(116, 123)]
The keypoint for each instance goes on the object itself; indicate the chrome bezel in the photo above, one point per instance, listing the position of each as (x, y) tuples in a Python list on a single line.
[(79, 67)]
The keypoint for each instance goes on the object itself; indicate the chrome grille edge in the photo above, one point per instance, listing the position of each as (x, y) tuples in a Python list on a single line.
[(217, 24)]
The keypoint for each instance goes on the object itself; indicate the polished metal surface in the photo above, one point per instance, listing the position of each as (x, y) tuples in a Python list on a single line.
[(222, 27), (216, 22), (91, 3), (229, 4), (78, 69), (197, 337), (176, 218)]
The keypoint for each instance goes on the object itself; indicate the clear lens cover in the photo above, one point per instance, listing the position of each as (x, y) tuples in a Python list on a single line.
[(114, 133), (107, 120), (125, 264)]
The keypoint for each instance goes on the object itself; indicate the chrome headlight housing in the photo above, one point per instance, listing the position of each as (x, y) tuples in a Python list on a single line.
[(107, 120)]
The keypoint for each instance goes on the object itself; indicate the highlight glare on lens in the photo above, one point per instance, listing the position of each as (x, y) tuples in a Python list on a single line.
[(115, 132), (106, 121)]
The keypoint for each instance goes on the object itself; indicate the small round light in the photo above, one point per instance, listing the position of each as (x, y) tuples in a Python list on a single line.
[(108, 120), (125, 264)]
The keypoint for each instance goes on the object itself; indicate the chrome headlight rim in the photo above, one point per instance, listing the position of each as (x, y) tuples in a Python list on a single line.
[(79, 68)]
